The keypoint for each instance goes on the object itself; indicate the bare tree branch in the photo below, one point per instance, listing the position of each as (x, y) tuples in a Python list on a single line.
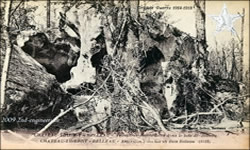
[(206, 113), (117, 42), (96, 123), (62, 113), (156, 116), (223, 102), (194, 115), (12, 13)]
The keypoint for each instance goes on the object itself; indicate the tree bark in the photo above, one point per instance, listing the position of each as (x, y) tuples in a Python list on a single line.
[(32, 93), (134, 9), (201, 45), (133, 49), (48, 13), (200, 25), (5, 67), (242, 46), (234, 70)]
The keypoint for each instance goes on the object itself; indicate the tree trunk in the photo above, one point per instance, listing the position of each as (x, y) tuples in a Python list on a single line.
[(48, 13), (242, 46), (224, 62), (5, 67), (200, 24), (134, 9), (133, 49), (234, 67), (134, 53), (32, 93)]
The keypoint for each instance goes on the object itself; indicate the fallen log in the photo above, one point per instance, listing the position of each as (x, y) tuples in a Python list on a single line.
[(33, 96)]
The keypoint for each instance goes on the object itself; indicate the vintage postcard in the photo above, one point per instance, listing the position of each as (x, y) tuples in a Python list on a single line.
[(124, 74)]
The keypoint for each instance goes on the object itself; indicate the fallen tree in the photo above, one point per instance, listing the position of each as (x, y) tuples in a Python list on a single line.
[(33, 96)]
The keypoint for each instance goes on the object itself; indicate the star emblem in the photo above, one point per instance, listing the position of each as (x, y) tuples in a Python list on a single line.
[(225, 21)]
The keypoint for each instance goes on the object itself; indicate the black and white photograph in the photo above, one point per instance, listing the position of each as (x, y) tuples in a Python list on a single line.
[(115, 74)]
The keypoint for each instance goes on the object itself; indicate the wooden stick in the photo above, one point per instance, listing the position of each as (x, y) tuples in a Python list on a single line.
[(117, 42), (193, 115), (156, 116), (95, 123), (149, 124), (62, 113), (247, 95), (12, 13)]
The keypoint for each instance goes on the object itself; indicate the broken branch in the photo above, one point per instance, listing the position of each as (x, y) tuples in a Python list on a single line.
[(95, 123), (62, 113), (194, 115)]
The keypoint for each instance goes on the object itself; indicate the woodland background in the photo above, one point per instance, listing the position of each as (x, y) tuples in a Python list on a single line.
[(211, 86)]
